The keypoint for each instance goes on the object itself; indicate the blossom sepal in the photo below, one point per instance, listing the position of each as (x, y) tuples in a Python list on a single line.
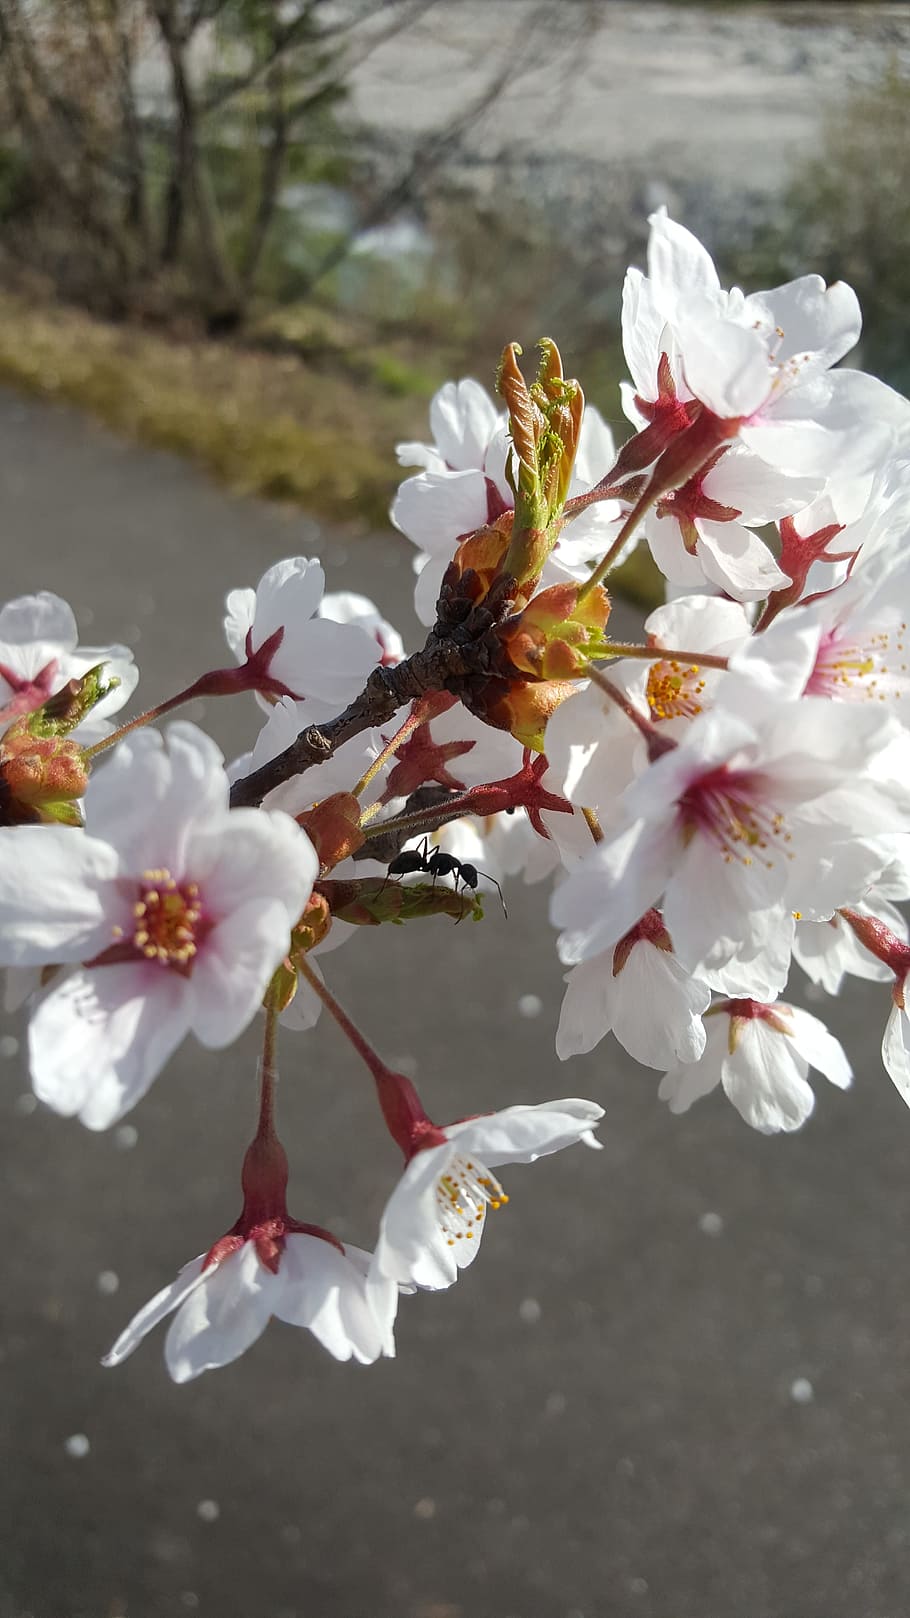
[(333, 827), (69, 706), (556, 635)]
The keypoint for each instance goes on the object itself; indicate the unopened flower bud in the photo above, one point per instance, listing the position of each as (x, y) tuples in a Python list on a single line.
[(333, 827), (67, 708), (40, 777)]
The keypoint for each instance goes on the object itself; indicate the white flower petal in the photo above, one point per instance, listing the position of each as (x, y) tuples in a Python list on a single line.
[(57, 899), (34, 631), (219, 1320), (522, 1134), (436, 509), (99, 1039), (766, 1080), (463, 419), (896, 1050), (232, 970), (163, 1303), (324, 1291)]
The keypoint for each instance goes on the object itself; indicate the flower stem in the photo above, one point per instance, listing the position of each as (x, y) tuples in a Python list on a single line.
[(361, 1045), (656, 743), (628, 528), (422, 711), (147, 718), (708, 660), (268, 1072), (423, 820)]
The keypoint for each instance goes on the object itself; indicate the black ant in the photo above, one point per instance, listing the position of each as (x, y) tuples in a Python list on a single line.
[(435, 862)]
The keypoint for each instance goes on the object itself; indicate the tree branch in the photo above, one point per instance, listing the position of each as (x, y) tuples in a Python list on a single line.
[(443, 665)]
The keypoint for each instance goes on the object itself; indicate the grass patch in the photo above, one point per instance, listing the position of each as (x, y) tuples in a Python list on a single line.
[(317, 432), (264, 423)]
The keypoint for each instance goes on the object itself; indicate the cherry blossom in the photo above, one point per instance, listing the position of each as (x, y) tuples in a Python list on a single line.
[(222, 1301), (433, 1222), (40, 652), (761, 1055), (759, 363), (640, 991), (736, 826), (302, 655), (714, 795), (178, 910)]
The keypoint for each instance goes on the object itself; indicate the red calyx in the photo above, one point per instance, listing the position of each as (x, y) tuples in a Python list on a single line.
[(650, 928), (265, 1220), (404, 1115), (521, 791), (667, 416), (420, 759), (881, 942), (690, 501), (797, 553)]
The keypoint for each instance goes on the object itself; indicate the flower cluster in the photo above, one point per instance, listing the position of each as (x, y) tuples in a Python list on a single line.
[(713, 803)]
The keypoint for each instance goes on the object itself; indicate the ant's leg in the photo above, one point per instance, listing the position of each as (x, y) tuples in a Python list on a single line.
[(498, 890)]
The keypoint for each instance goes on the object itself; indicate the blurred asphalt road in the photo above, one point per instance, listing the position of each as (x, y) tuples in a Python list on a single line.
[(676, 1383)]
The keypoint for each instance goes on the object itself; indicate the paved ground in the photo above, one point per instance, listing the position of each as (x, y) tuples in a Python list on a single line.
[(599, 1421)]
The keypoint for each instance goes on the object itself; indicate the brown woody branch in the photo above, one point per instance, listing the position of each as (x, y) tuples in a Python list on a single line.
[(443, 665)]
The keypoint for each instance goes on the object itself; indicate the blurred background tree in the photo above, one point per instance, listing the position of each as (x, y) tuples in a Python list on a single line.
[(146, 143)]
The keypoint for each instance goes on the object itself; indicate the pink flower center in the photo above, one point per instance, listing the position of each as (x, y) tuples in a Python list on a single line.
[(168, 920), (857, 668), (730, 807)]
